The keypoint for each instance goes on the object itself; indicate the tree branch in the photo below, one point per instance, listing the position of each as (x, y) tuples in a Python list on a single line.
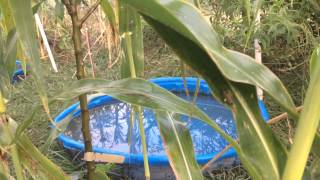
[(67, 4), (89, 12)]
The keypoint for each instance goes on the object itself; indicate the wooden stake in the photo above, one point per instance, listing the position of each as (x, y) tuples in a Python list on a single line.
[(45, 42)]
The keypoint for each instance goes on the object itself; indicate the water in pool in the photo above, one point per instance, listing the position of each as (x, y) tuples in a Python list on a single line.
[(110, 128)]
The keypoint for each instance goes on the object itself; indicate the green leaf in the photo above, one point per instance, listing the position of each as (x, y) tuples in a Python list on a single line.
[(100, 171), (26, 123), (100, 175), (59, 9), (186, 20), (58, 127), (178, 145), (36, 7), (267, 152), (7, 15), (315, 60), (220, 84), (142, 93), (31, 158), (130, 30), (43, 164), (7, 61), (109, 12), (11, 53), (180, 23), (23, 17), (4, 167), (306, 130)]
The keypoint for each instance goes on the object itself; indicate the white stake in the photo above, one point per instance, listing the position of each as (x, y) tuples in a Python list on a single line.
[(45, 42), (258, 55)]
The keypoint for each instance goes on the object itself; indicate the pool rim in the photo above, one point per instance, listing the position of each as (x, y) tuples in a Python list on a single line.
[(169, 83)]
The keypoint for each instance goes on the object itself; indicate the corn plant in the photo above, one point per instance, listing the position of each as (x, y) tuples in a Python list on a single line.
[(27, 160), (231, 75)]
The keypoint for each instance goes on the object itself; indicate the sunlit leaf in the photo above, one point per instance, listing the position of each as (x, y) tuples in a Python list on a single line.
[(178, 145), (4, 166), (306, 130), (2, 104), (315, 60), (7, 15)]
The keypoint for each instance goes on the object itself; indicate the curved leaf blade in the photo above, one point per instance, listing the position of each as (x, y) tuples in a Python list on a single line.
[(31, 158), (307, 130), (186, 20), (178, 145), (142, 93), (221, 86), (23, 17), (207, 56), (260, 146), (109, 12)]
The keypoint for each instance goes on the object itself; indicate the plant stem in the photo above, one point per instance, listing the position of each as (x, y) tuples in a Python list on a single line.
[(138, 108), (130, 54), (144, 145), (16, 162), (305, 133), (76, 36)]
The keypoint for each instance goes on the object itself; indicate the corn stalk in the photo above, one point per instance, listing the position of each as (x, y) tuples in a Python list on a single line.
[(72, 7)]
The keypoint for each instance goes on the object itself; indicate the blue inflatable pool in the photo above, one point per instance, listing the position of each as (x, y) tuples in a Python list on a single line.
[(110, 121), (19, 73)]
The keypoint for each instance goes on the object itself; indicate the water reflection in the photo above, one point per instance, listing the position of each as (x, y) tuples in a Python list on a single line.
[(110, 128)]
